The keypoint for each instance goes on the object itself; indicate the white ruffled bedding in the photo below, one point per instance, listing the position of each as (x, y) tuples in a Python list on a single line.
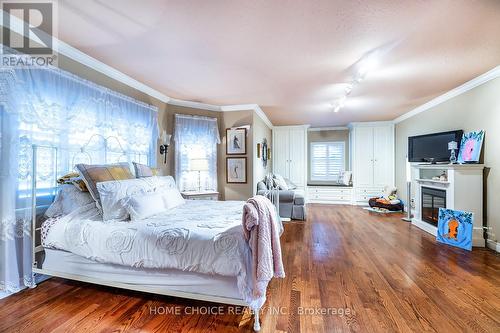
[(198, 236)]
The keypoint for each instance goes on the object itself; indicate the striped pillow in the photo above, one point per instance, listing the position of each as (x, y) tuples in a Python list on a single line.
[(93, 174), (142, 170)]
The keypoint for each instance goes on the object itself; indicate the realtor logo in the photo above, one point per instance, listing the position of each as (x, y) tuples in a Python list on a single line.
[(28, 30), (38, 25)]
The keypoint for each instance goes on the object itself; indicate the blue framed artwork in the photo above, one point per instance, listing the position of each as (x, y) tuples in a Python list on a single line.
[(455, 228), (470, 147)]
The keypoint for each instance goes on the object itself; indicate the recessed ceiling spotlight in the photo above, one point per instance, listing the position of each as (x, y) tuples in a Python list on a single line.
[(348, 88), (339, 103), (367, 64)]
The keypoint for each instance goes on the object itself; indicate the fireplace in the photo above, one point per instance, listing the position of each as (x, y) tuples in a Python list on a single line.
[(432, 200)]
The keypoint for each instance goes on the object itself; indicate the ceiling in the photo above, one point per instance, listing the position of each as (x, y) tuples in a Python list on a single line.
[(292, 58)]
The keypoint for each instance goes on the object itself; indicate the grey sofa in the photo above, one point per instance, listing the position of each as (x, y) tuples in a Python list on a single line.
[(291, 204)]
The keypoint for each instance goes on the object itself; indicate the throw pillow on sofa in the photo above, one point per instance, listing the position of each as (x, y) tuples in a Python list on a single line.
[(280, 182)]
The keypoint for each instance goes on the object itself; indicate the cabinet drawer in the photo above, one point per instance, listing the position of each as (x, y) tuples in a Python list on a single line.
[(330, 197), (369, 191), (361, 197), (329, 190)]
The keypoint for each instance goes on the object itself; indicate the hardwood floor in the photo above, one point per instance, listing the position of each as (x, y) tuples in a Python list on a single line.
[(365, 272)]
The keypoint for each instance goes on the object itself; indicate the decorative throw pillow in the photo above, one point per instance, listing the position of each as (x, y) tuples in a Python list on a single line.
[(93, 174), (142, 170), (172, 198), (346, 178), (269, 181), (112, 193), (280, 182), (68, 199), (64, 179), (142, 206), (73, 178), (290, 184)]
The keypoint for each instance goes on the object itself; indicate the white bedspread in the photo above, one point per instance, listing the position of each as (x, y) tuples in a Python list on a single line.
[(198, 236)]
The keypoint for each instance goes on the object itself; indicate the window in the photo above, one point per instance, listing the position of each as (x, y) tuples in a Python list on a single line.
[(62, 114), (196, 140), (327, 160)]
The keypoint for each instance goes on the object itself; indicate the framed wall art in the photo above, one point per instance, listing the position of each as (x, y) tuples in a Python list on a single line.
[(236, 170), (470, 147), (236, 141)]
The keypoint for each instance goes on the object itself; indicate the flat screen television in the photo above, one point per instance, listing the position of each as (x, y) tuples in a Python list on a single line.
[(432, 147)]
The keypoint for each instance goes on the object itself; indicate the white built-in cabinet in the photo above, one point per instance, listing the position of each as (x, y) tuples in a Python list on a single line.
[(289, 153), (372, 155)]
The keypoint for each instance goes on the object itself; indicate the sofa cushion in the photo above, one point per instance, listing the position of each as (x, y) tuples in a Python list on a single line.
[(290, 184), (286, 196), (299, 200)]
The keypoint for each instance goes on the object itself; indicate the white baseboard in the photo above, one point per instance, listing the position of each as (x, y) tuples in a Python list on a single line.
[(4, 294), (491, 244), (476, 241)]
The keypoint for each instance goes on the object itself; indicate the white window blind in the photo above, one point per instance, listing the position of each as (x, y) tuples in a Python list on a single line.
[(327, 160)]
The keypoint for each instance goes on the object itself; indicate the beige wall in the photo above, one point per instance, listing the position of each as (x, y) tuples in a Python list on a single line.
[(166, 121), (166, 112), (260, 132), (326, 136), (476, 109), (237, 191)]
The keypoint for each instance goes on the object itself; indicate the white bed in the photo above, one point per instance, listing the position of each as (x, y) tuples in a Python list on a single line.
[(196, 250), (160, 281)]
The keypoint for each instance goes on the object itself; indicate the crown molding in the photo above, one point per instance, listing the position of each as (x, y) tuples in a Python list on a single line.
[(263, 116), (469, 85), (335, 128), (237, 107), (73, 53), (304, 127), (245, 107), (370, 123), (194, 105), (83, 58)]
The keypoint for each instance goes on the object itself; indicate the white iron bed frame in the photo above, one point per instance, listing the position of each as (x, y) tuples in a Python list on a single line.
[(37, 249)]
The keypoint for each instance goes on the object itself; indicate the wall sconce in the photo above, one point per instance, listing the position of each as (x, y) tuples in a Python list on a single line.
[(164, 143)]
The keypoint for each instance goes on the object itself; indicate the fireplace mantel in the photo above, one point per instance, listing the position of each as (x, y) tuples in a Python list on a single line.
[(464, 191), (432, 181)]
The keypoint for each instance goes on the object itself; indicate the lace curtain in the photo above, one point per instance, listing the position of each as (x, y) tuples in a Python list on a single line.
[(60, 112), (196, 140)]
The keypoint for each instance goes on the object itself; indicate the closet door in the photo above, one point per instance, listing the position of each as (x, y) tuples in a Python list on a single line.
[(383, 160), (364, 158), (280, 153), (297, 160)]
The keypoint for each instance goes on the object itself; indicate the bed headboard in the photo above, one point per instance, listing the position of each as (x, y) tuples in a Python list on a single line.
[(50, 162)]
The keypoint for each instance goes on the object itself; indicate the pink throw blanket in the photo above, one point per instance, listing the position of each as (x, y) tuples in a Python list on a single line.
[(263, 235)]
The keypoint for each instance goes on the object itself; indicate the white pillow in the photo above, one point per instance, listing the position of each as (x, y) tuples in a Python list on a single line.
[(280, 181), (68, 199), (144, 205), (172, 198), (346, 178), (112, 192)]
